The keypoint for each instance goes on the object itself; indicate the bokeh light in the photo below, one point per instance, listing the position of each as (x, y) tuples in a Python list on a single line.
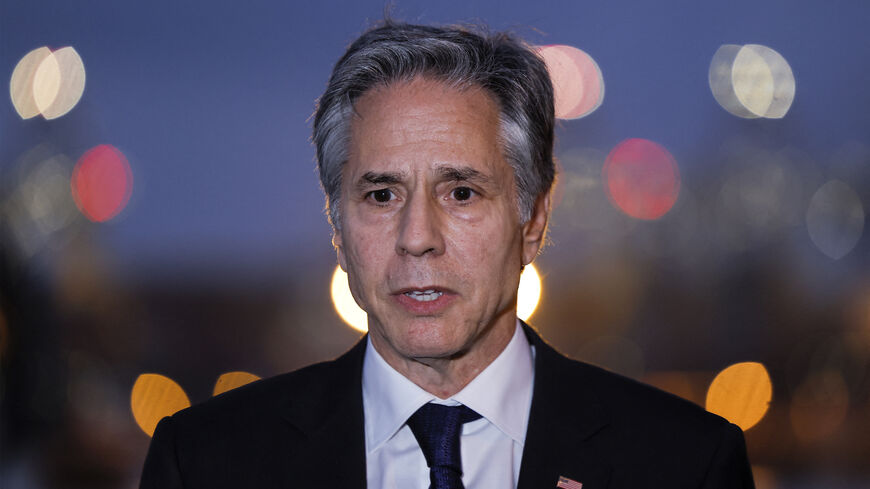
[(741, 394), (819, 405), (642, 178), (763, 194), (230, 380), (47, 83), (21, 83), (529, 292), (40, 206), (751, 81), (528, 296), (59, 83), (102, 183), (578, 85), (581, 208), (154, 397), (344, 304), (835, 219)]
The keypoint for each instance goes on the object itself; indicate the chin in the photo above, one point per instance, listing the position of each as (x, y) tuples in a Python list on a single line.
[(429, 341)]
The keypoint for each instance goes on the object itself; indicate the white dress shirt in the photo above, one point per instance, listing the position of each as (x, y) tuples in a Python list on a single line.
[(491, 447)]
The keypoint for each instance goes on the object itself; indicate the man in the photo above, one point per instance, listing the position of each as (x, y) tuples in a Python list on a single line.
[(434, 147)]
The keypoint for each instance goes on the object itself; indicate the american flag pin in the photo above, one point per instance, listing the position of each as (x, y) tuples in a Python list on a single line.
[(566, 483)]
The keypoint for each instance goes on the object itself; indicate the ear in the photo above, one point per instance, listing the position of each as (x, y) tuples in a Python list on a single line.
[(337, 242), (535, 229)]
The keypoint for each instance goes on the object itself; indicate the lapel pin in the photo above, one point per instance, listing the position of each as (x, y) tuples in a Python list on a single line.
[(566, 483)]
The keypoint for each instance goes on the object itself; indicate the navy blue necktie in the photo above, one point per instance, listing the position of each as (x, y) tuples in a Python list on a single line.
[(437, 429)]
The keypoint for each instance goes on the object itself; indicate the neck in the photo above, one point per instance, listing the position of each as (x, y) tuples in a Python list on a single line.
[(445, 376)]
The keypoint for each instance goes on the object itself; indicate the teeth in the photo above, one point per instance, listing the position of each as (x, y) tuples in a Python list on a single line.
[(424, 296)]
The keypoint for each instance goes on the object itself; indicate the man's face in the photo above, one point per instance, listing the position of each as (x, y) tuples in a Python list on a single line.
[(430, 233)]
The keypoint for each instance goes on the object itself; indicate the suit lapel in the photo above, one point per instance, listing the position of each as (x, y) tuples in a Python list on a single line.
[(566, 425), (328, 422), (326, 434)]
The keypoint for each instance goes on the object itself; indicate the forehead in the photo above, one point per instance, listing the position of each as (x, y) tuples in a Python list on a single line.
[(425, 119)]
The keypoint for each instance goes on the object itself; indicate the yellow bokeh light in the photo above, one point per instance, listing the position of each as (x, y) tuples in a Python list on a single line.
[(231, 380), (741, 394), (529, 292), (344, 304), (528, 296), (21, 83), (59, 83), (154, 397)]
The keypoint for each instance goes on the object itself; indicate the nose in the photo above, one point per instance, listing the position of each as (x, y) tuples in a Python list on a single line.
[(420, 228)]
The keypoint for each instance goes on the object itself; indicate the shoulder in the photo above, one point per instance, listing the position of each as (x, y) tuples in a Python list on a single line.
[(248, 436), (305, 390), (626, 402), (632, 401), (648, 434), (635, 403)]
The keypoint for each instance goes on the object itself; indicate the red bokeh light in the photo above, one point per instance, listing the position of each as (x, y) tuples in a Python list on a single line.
[(102, 183), (642, 178)]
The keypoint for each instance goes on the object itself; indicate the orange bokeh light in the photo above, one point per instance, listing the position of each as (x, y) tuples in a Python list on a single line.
[(741, 394), (231, 380), (102, 183), (154, 397), (642, 178)]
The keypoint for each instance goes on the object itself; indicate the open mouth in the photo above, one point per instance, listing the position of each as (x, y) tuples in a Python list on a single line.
[(424, 295)]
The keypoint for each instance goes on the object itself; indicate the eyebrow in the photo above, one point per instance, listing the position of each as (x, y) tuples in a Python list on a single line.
[(445, 173), (372, 178), (463, 174)]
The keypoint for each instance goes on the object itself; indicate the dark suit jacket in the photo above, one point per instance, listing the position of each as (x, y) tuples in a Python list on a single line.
[(305, 429)]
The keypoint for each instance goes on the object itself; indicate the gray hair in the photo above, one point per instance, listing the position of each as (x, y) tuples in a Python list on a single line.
[(513, 74)]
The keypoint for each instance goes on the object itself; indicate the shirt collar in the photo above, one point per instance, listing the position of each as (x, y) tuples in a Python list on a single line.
[(501, 393)]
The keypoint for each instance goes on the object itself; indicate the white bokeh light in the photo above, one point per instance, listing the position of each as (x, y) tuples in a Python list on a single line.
[(751, 81), (59, 83), (835, 219), (21, 83)]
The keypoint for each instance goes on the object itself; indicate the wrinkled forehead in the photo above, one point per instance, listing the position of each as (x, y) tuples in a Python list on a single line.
[(424, 123)]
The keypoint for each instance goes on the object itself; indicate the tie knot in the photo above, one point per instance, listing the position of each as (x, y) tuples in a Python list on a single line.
[(441, 415), (437, 429)]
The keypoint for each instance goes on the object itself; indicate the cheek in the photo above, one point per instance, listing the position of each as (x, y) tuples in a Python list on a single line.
[(365, 260), (488, 252)]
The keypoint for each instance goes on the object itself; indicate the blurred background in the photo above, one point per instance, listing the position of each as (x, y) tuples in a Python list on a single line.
[(162, 234)]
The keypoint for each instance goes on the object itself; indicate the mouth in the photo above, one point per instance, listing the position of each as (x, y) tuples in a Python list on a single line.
[(427, 295), (426, 300)]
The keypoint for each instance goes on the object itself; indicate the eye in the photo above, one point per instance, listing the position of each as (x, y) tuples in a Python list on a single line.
[(381, 196), (462, 193)]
